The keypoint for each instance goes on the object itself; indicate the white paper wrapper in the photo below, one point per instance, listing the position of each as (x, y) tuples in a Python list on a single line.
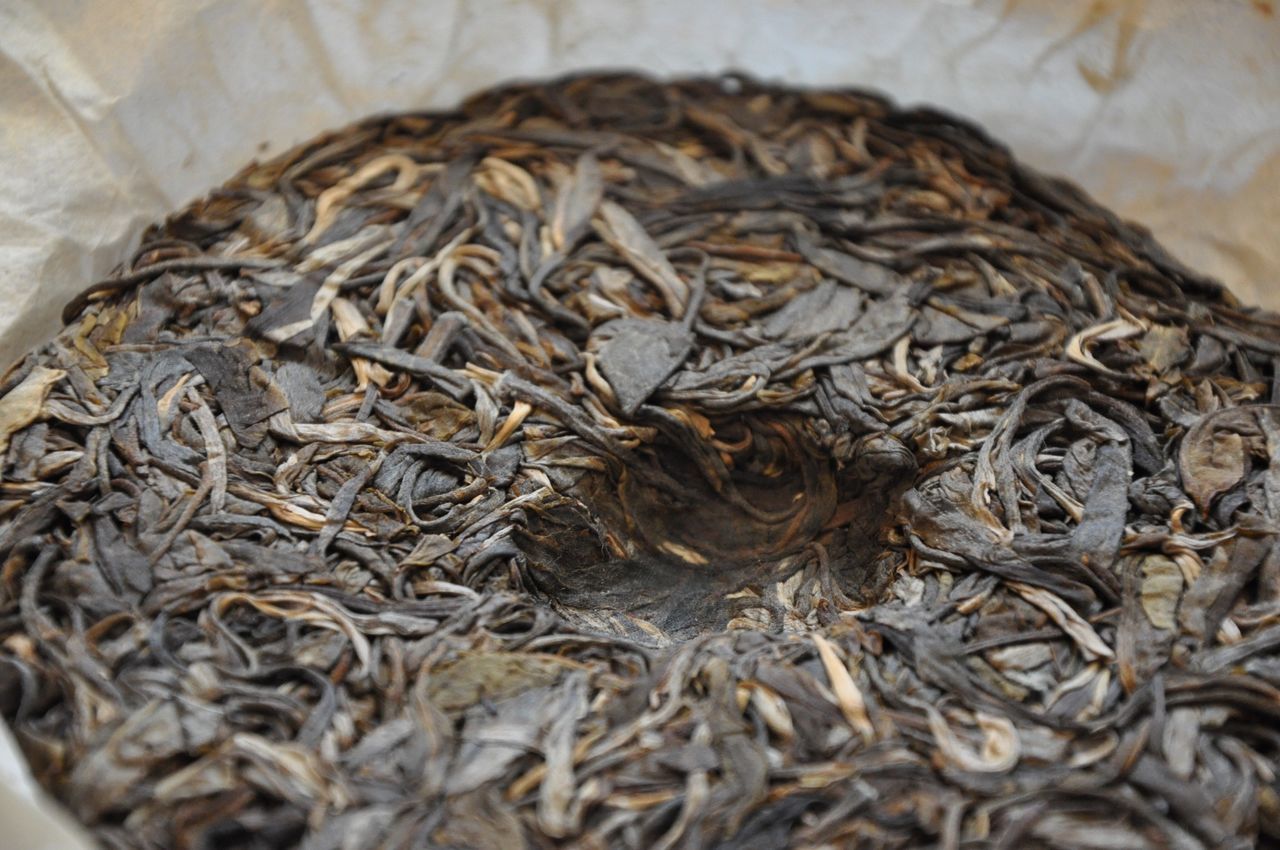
[(113, 113)]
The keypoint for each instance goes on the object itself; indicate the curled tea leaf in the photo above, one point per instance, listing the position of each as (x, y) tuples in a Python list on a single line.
[(576, 202), (624, 233)]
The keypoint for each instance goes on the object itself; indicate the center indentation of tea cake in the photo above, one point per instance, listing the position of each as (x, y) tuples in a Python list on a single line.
[(752, 490), (710, 517)]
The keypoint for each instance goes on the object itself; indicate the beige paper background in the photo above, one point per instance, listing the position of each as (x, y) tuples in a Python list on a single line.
[(113, 113)]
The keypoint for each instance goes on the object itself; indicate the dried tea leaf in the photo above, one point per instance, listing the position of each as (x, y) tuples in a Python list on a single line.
[(23, 404), (1212, 466), (1163, 347), (1161, 590), (1215, 453), (824, 309), (639, 356), (492, 676), (1066, 618), (1000, 747), (850, 699), (624, 233), (871, 278), (576, 202), (242, 390), (496, 736)]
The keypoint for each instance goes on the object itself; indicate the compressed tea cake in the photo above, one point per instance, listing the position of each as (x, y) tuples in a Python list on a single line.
[(622, 463)]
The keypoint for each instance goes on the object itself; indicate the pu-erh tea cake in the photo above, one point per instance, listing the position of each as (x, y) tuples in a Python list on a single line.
[(622, 463)]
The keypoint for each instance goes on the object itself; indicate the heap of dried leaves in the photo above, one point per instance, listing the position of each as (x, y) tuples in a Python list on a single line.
[(622, 464)]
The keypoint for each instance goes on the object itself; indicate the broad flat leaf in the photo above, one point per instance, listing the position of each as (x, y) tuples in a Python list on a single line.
[(288, 313), (941, 323), (1161, 590), (1211, 464), (827, 307), (243, 393), (883, 324), (937, 328), (494, 737), (1163, 348), (22, 405), (641, 355), (478, 676), (869, 277)]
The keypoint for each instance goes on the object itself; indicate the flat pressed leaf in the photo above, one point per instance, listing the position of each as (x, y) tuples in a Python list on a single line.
[(22, 405), (640, 356)]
